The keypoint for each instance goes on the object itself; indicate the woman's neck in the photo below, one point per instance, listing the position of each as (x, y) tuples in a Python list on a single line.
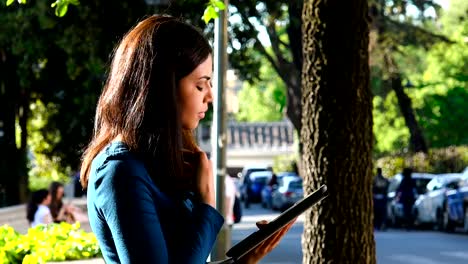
[(118, 138)]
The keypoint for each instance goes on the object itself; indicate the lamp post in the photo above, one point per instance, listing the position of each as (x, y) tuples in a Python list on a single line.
[(219, 137)]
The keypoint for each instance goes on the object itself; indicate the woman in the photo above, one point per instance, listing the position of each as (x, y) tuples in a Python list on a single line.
[(149, 187), (60, 212), (38, 208)]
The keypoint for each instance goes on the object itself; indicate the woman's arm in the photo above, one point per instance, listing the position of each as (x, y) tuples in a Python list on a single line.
[(125, 199), (127, 207)]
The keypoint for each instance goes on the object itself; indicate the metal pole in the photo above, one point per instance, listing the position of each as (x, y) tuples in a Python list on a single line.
[(218, 139)]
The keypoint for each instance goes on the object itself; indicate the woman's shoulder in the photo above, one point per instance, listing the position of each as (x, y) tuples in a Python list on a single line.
[(42, 210), (114, 153), (116, 159)]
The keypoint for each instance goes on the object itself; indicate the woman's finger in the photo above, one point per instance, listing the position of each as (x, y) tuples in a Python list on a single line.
[(275, 239), (261, 224)]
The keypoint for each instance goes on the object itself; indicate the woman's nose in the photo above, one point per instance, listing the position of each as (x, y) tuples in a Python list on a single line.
[(209, 96)]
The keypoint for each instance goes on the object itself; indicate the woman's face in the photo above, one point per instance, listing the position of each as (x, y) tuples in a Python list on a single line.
[(195, 94), (47, 200), (59, 193)]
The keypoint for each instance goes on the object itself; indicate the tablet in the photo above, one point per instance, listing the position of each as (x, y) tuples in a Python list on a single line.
[(253, 240)]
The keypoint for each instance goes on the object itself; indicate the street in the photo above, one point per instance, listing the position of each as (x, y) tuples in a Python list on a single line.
[(393, 246)]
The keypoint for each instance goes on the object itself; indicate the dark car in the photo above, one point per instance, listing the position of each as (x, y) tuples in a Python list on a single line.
[(248, 187), (395, 213)]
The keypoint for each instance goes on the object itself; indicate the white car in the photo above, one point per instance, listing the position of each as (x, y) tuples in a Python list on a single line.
[(395, 214), (288, 192), (430, 206)]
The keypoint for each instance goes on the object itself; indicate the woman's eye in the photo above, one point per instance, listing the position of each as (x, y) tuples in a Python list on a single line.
[(199, 88)]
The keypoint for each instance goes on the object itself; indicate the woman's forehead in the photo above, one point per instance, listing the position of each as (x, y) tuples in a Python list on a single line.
[(204, 71)]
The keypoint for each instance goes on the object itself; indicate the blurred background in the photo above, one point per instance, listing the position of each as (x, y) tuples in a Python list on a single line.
[(54, 60)]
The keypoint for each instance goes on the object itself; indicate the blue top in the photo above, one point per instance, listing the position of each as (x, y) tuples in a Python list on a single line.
[(135, 222)]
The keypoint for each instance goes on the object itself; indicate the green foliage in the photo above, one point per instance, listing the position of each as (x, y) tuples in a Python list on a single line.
[(443, 160), (455, 15), (282, 163), (44, 166), (61, 6), (436, 80), (390, 131), (263, 100), (212, 9), (55, 242)]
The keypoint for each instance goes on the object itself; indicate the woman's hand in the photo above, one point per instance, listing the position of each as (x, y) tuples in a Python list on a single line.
[(266, 246), (204, 182)]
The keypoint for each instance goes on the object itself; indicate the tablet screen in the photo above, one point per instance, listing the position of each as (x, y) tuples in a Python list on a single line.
[(250, 242)]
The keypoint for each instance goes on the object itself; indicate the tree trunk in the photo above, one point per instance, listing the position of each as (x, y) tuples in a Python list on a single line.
[(337, 132), (417, 142), (22, 160), (9, 180), (293, 85)]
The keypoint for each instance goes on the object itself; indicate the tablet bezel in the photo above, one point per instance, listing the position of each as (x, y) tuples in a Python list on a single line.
[(257, 237)]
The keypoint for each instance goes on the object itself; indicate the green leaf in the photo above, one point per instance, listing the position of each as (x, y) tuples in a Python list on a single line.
[(61, 10), (218, 4), (210, 13), (9, 2)]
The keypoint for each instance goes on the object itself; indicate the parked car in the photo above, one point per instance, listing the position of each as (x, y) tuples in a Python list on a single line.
[(289, 191), (456, 210), (246, 183), (430, 206), (395, 213), (268, 189)]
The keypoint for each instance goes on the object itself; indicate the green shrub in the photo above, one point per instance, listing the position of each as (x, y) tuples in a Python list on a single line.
[(284, 163), (443, 160), (55, 242)]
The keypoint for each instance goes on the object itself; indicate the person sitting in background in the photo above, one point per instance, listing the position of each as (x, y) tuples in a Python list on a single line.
[(37, 210), (60, 212)]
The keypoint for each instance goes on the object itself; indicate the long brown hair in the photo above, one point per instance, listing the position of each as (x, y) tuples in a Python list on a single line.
[(139, 100), (56, 203)]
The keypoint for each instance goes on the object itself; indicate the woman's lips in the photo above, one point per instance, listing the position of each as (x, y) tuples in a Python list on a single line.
[(201, 115)]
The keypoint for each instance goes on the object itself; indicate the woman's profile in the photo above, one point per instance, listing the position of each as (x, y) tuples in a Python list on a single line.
[(150, 191)]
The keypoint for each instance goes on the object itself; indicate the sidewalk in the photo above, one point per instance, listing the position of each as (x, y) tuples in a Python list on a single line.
[(15, 216)]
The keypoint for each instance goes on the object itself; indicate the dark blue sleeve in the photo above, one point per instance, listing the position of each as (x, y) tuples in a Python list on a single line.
[(198, 244), (128, 206)]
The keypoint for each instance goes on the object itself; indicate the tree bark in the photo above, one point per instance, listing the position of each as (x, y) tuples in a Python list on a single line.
[(337, 131)]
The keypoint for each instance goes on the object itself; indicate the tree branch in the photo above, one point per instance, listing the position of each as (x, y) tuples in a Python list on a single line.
[(262, 49), (275, 42), (412, 34)]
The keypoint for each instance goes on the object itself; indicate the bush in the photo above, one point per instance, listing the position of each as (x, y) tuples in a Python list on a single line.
[(55, 242), (283, 163), (444, 160)]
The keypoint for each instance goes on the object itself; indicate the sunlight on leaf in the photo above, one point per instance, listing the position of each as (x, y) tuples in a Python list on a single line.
[(61, 10), (9, 2), (212, 9), (220, 5)]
